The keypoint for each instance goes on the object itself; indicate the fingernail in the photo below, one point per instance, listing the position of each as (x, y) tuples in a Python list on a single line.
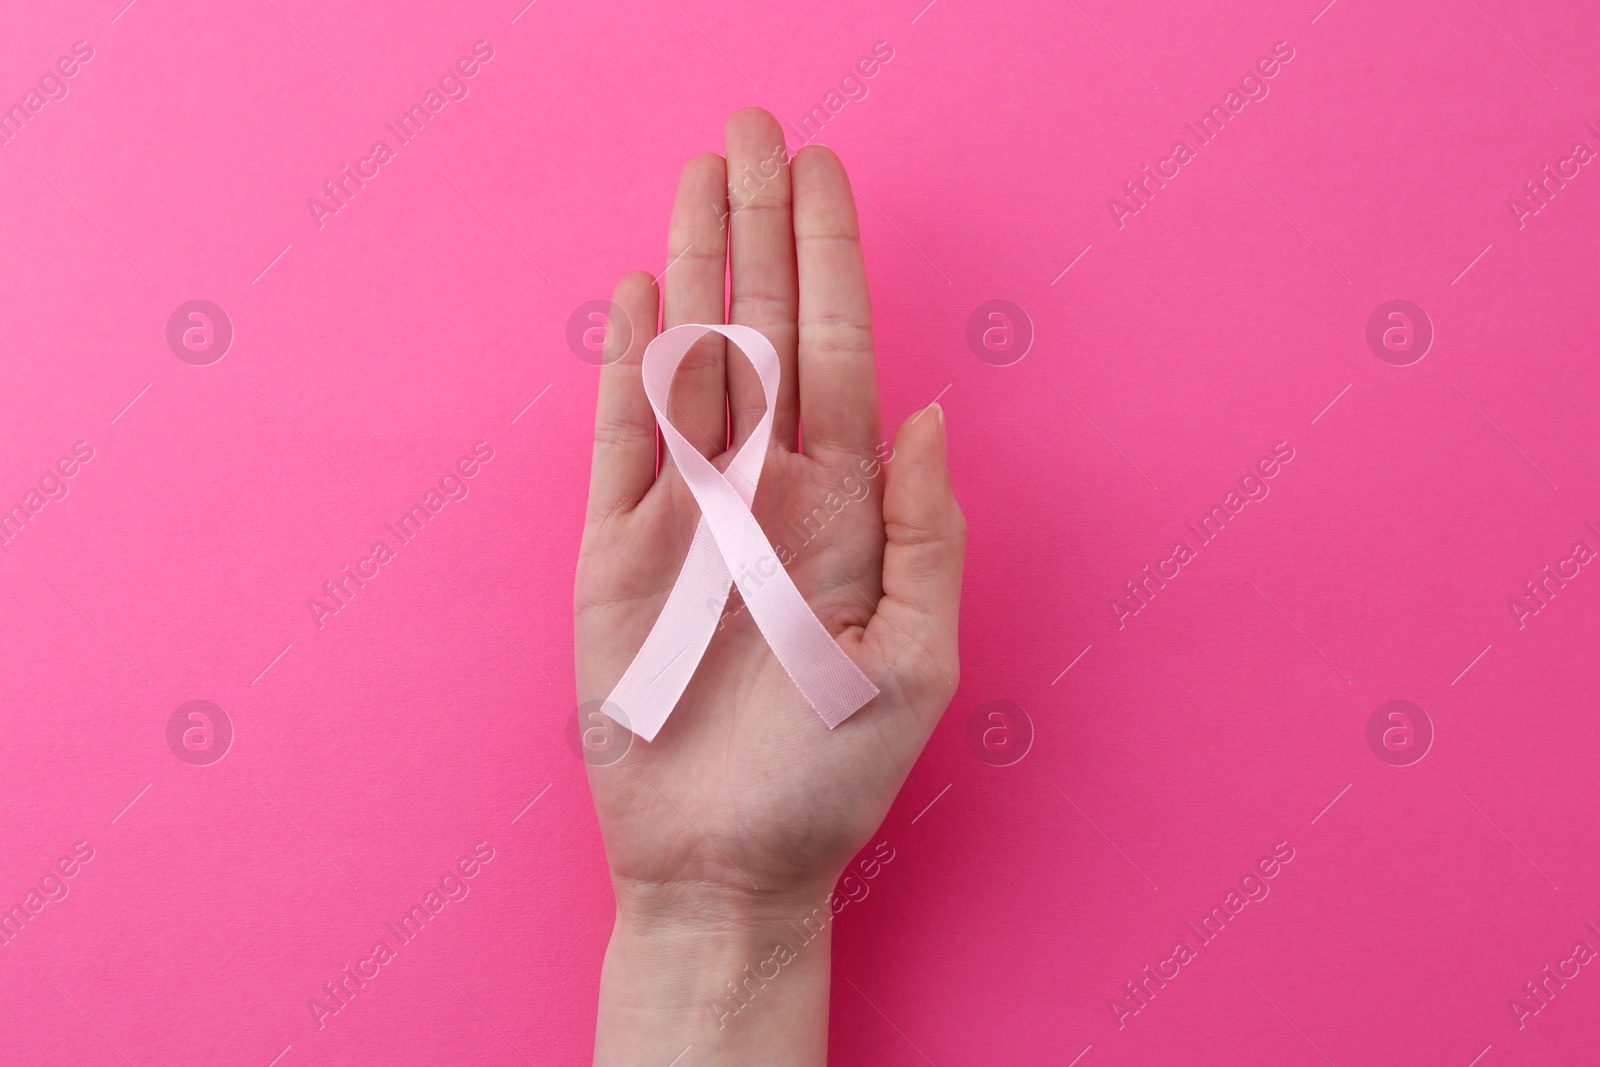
[(938, 412)]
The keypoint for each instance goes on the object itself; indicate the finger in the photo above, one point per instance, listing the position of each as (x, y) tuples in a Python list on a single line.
[(761, 261), (926, 544), (692, 289), (838, 386), (624, 462)]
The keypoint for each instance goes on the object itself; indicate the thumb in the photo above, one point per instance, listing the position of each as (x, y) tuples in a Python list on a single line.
[(926, 545)]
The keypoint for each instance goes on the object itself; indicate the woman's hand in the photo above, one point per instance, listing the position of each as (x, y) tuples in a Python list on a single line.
[(731, 827)]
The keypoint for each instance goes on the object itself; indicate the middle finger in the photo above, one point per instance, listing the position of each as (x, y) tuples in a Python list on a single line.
[(766, 292)]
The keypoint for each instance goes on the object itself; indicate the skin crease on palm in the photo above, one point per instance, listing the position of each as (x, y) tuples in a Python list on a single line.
[(746, 807)]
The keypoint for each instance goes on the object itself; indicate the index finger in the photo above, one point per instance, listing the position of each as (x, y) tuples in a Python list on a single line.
[(838, 382)]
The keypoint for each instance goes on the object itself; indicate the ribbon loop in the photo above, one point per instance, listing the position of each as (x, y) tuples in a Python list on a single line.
[(729, 548)]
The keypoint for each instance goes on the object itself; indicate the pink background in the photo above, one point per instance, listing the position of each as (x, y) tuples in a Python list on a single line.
[(1222, 318)]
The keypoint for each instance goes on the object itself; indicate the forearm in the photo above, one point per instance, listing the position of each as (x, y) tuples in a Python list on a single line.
[(736, 985)]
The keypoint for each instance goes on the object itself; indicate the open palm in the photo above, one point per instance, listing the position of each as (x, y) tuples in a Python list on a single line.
[(745, 791)]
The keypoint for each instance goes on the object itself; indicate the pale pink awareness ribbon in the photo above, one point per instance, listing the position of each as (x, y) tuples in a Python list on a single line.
[(728, 548)]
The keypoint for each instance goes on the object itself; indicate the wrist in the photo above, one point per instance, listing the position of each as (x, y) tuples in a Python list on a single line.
[(740, 976), (713, 908)]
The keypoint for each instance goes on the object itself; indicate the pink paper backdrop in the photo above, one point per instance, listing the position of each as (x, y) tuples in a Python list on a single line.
[(1168, 346)]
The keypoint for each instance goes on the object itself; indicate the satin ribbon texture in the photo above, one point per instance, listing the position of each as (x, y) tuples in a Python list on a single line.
[(729, 548)]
